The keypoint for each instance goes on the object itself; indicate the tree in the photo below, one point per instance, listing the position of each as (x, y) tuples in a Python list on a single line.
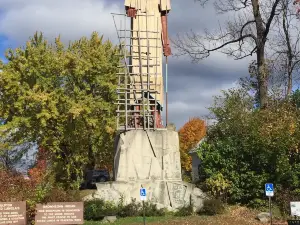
[(189, 135), (61, 98), (284, 46), (245, 35), (248, 148)]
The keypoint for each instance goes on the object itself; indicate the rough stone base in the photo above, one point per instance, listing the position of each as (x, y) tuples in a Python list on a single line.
[(147, 155), (149, 159), (165, 194)]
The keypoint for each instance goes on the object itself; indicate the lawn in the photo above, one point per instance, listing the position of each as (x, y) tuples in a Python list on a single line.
[(133, 220), (234, 216)]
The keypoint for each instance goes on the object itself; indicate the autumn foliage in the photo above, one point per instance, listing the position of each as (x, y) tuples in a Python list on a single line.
[(189, 135), (38, 172), (13, 187)]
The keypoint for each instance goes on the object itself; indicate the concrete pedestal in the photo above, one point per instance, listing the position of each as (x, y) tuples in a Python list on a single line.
[(149, 159)]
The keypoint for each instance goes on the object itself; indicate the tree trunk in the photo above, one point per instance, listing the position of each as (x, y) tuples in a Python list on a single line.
[(290, 82), (289, 49), (262, 72), (262, 78)]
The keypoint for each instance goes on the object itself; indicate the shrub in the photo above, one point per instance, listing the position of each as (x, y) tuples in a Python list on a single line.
[(98, 209), (212, 207), (131, 210), (57, 194), (152, 210), (13, 187), (185, 211), (136, 209)]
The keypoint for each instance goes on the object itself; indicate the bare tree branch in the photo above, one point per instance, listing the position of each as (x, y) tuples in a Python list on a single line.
[(272, 14), (247, 33)]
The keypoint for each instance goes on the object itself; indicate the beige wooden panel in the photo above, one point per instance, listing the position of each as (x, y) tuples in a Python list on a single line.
[(165, 5), (143, 5), (151, 23)]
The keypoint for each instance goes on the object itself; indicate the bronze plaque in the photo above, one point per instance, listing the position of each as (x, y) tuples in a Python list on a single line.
[(59, 213), (12, 213)]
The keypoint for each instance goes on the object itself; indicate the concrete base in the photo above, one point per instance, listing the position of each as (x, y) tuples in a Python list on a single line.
[(165, 194), (149, 159), (147, 155)]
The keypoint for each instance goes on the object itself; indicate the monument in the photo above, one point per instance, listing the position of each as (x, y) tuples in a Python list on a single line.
[(146, 153)]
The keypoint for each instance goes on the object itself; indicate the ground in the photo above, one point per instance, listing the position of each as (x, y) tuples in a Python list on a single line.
[(234, 216)]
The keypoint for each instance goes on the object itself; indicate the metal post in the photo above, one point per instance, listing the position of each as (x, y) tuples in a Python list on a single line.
[(166, 91), (144, 217), (148, 71), (167, 72), (270, 210)]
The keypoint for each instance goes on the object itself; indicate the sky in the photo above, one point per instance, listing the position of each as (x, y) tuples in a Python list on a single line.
[(191, 86)]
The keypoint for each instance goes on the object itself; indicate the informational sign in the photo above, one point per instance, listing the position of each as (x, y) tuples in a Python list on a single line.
[(143, 194), (59, 213), (13, 213), (295, 208), (269, 188)]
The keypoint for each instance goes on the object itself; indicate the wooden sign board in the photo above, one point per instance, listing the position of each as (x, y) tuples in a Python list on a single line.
[(59, 213), (13, 213)]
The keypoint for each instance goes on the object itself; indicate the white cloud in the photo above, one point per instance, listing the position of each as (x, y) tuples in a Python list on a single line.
[(70, 18)]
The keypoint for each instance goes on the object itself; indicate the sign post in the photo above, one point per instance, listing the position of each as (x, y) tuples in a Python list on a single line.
[(143, 195), (269, 188)]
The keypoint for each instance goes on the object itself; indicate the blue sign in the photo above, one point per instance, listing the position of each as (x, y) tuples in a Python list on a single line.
[(269, 188), (143, 194)]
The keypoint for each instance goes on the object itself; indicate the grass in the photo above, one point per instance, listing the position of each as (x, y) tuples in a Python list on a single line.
[(132, 220), (233, 216)]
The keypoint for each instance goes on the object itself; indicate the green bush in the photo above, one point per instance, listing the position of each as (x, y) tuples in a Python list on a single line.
[(212, 207), (131, 210), (98, 209), (152, 210), (185, 211), (136, 209)]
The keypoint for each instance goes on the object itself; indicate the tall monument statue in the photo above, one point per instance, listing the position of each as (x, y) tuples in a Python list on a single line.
[(148, 43), (146, 153)]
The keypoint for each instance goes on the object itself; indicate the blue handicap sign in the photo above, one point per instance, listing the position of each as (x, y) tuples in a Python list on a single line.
[(143, 192), (269, 188)]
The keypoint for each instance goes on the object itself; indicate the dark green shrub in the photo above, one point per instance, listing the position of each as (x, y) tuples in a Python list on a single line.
[(131, 210), (98, 209), (152, 210), (212, 207), (136, 209), (185, 211)]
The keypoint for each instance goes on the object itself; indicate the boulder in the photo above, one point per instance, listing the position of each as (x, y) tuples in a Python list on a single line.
[(109, 219), (263, 217)]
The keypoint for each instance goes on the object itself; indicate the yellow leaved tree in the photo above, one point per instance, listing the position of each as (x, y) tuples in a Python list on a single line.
[(189, 135)]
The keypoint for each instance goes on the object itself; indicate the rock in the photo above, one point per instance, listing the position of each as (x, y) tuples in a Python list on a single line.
[(263, 217), (109, 219), (197, 199)]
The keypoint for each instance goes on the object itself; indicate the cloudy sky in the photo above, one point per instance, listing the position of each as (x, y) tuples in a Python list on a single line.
[(191, 86)]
